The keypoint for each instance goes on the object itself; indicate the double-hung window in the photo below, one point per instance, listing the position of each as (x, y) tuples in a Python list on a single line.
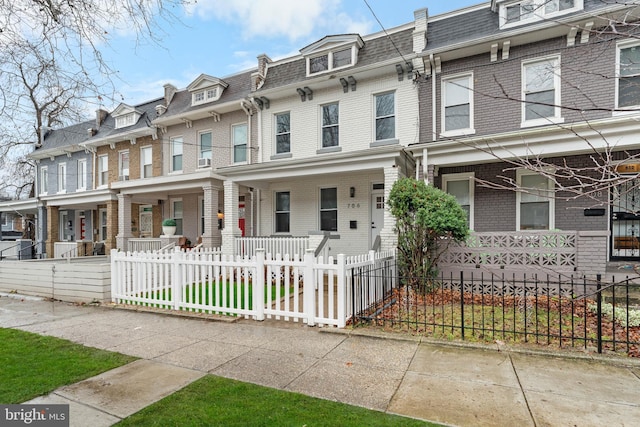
[(205, 145), (103, 170), (461, 186), (628, 81), (385, 110), (62, 177), (239, 135), (457, 105), (176, 154), (146, 161), (44, 180), (535, 203), (283, 211), (329, 209), (82, 174), (541, 92), (123, 165), (283, 133), (330, 127)]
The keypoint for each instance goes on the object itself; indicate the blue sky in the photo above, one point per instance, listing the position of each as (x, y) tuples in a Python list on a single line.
[(222, 37)]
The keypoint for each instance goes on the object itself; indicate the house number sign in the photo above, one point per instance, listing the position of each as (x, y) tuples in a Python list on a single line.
[(353, 205)]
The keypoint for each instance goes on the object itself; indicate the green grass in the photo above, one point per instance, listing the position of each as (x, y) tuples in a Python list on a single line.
[(216, 401), (32, 365)]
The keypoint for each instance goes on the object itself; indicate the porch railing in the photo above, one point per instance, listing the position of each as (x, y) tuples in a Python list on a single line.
[(144, 245), (247, 246)]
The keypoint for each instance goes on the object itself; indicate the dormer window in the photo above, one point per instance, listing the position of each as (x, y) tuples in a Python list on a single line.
[(206, 89), (125, 115), (514, 13), (332, 53)]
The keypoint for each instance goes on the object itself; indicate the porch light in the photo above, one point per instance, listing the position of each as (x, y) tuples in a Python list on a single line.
[(220, 218), (352, 192)]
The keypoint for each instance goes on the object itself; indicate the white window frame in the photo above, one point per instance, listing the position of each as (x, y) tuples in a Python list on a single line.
[(234, 143), (103, 170), (330, 60), (172, 142), (552, 205), (470, 178), (321, 209), (394, 115), (332, 125), (174, 214), (144, 149), (206, 95), (277, 132), (62, 178), (44, 180), (82, 175), (103, 225), (122, 172), (210, 151), (619, 47), (539, 12), (461, 131), (557, 96), (126, 120), (276, 212)]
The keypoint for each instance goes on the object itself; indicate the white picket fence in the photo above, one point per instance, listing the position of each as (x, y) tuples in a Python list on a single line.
[(316, 291)]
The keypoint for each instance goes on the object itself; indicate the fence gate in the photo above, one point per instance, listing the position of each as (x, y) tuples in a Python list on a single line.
[(625, 220)]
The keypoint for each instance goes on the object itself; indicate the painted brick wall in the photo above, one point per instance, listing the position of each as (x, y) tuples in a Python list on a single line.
[(356, 116), (586, 83)]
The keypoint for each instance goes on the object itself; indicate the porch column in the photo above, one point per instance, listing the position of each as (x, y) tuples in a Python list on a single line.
[(211, 238), (112, 225), (231, 229), (41, 231), (53, 225), (124, 221), (388, 237)]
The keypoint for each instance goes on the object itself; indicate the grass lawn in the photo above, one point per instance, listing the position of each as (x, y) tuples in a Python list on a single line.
[(216, 401), (32, 365)]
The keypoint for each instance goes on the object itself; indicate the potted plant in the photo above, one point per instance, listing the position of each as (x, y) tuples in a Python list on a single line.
[(169, 227)]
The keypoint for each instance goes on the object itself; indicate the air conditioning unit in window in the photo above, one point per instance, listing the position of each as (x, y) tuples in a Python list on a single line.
[(123, 178), (204, 163)]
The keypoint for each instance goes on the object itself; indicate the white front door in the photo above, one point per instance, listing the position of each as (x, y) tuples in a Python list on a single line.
[(377, 215)]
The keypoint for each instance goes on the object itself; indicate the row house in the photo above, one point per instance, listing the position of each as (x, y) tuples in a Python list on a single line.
[(515, 82)]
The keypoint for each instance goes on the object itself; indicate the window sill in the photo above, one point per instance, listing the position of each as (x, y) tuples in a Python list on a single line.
[(542, 122), (175, 172), (457, 132), (281, 156), (62, 192), (324, 150), (384, 142), (623, 112)]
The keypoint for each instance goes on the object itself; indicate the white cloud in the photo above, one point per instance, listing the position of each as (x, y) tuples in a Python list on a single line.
[(292, 19)]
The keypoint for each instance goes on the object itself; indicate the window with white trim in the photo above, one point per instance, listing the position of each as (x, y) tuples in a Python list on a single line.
[(329, 209), (283, 211), (62, 177), (385, 116), (457, 105), (332, 60), (239, 135), (330, 126), (535, 206), (541, 91), (103, 170), (176, 214), (204, 96), (82, 174), (123, 165), (126, 120), (283, 133), (44, 180), (146, 161), (176, 154), (514, 13), (205, 145), (461, 186), (628, 73), (102, 214)]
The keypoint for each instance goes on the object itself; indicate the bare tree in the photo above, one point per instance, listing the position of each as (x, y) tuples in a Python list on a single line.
[(51, 64)]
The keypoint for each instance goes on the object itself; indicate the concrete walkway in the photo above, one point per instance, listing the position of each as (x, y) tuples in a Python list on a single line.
[(452, 384)]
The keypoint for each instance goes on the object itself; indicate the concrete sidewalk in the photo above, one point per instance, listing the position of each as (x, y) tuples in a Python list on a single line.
[(452, 384)]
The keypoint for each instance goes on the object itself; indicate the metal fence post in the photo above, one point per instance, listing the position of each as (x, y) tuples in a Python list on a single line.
[(599, 304), (462, 303)]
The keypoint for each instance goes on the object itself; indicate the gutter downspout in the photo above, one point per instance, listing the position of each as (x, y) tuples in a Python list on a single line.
[(425, 164)]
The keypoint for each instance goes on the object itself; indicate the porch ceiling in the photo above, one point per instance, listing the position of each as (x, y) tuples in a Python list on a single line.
[(80, 200)]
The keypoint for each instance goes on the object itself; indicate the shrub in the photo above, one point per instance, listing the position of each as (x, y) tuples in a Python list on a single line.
[(169, 222)]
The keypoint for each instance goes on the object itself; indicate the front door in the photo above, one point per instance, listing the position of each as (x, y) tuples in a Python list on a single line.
[(625, 220), (377, 215), (146, 221)]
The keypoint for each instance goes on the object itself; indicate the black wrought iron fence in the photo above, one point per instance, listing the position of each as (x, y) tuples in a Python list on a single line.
[(553, 311)]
